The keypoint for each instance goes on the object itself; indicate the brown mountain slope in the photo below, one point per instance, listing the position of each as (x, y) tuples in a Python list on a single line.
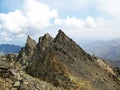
[(56, 64), (63, 63)]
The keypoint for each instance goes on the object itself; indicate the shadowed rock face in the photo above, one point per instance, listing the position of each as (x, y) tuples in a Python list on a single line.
[(58, 64)]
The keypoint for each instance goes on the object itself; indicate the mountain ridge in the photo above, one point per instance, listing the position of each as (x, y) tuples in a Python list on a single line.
[(109, 50), (61, 63), (65, 55), (9, 48)]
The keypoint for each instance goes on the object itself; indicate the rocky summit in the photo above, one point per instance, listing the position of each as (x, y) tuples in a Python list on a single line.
[(56, 64)]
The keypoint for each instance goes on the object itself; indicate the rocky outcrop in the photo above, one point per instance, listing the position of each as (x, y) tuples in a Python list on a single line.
[(63, 63), (44, 42), (56, 64), (13, 78), (19, 80), (26, 52), (4, 69)]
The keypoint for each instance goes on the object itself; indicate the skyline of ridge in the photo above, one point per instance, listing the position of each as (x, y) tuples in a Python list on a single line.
[(83, 21)]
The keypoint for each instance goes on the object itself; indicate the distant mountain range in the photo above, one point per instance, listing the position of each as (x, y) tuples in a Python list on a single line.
[(7, 49), (109, 50)]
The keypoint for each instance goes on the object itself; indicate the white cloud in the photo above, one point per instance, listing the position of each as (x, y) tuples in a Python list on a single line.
[(32, 18), (74, 22), (5, 37), (38, 14), (3, 33), (13, 21), (69, 22), (88, 28), (0, 26), (102, 23), (58, 21), (111, 7), (89, 22), (20, 35), (35, 17)]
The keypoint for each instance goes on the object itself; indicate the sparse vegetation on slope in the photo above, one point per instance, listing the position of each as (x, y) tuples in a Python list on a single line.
[(56, 64)]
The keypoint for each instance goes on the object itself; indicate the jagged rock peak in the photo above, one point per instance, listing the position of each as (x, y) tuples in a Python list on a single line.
[(30, 42), (60, 33), (56, 64), (61, 36), (47, 35), (44, 42), (27, 51)]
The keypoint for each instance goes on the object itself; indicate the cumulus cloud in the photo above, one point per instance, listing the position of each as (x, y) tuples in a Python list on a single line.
[(33, 17), (88, 28), (5, 37), (89, 22), (38, 14), (13, 21), (74, 22), (58, 21)]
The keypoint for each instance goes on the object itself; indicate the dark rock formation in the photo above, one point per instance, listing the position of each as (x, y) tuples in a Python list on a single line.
[(56, 64), (63, 63), (4, 69), (9, 57), (26, 52)]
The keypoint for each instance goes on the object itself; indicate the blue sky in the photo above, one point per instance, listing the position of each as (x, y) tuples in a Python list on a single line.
[(82, 20), (10, 5)]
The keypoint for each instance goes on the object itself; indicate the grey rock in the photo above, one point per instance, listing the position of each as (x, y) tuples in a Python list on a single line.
[(16, 84), (56, 64)]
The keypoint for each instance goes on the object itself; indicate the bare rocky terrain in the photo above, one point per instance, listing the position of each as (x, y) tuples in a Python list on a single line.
[(56, 64)]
